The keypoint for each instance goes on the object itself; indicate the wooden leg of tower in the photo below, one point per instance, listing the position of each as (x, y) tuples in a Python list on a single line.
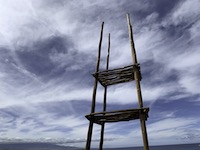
[(144, 132), (105, 97), (89, 136), (102, 137)]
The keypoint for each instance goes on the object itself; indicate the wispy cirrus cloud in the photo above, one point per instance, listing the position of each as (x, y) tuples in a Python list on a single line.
[(48, 51)]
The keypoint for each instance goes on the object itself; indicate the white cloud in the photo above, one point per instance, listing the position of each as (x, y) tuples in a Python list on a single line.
[(24, 22), (170, 130), (184, 13)]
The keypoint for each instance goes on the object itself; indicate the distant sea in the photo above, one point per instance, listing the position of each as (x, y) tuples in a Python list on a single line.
[(47, 146), (165, 147)]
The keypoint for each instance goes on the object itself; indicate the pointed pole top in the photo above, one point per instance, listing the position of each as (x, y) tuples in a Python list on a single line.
[(131, 40)]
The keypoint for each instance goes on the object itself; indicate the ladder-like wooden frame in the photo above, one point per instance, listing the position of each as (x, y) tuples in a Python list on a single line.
[(112, 77)]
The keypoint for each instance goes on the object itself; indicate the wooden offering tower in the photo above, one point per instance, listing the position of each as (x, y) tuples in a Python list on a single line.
[(111, 77)]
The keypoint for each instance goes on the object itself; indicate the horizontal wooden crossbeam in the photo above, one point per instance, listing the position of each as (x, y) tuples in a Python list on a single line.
[(116, 116), (119, 75)]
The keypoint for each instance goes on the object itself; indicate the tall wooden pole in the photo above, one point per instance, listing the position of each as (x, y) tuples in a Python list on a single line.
[(89, 136), (137, 81), (105, 97)]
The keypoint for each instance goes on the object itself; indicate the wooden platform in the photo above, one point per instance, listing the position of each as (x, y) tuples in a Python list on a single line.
[(115, 116), (119, 75)]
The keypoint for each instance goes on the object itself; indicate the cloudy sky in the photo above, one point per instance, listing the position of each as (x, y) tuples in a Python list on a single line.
[(48, 51)]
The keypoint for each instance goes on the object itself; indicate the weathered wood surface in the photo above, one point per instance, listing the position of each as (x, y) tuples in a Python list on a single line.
[(119, 75), (111, 77), (105, 96), (116, 111), (119, 115), (137, 82), (89, 135), (133, 51)]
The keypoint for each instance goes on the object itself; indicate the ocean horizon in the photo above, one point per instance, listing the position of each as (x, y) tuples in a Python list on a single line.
[(49, 146)]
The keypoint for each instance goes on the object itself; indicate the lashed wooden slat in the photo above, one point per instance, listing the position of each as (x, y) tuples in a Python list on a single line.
[(119, 115), (119, 75)]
